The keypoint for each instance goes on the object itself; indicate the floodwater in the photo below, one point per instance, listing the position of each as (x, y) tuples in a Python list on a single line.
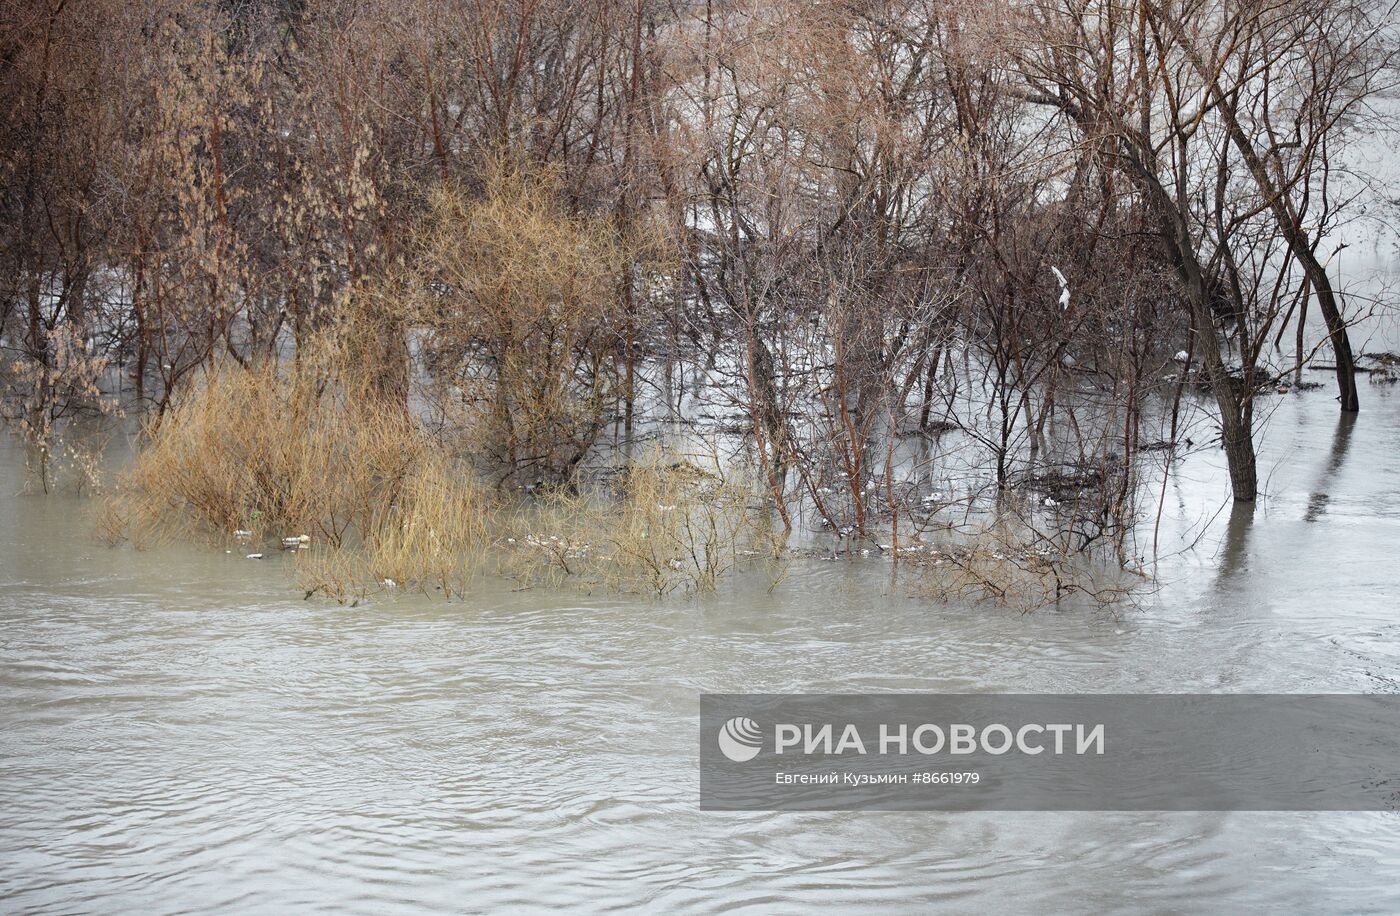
[(180, 731)]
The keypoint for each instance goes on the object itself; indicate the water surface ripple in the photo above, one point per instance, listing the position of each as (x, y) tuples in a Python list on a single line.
[(179, 732)]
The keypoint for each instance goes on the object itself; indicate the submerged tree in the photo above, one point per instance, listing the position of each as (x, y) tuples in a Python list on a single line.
[(878, 220), (1138, 89)]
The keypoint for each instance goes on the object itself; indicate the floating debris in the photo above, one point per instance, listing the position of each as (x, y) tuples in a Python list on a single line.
[(254, 556), (1066, 482)]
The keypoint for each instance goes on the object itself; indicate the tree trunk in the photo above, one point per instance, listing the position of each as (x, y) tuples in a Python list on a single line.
[(1236, 416), (1290, 226)]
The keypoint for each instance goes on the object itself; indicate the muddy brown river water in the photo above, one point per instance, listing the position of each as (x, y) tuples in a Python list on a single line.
[(180, 732)]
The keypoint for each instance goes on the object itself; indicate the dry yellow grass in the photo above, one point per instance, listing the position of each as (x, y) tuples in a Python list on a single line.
[(668, 525), (284, 454), (280, 454)]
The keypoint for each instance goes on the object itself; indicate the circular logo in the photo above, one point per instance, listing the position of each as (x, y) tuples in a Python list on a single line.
[(740, 739)]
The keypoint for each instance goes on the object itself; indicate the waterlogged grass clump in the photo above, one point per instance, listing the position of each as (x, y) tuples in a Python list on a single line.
[(369, 499), (663, 525), (261, 456)]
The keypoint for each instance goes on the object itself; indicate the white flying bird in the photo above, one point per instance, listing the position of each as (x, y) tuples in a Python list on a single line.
[(1064, 288)]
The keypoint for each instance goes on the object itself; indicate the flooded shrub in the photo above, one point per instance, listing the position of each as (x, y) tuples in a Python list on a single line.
[(522, 316), (299, 455), (53, 388), (429, 538), (665, 525), (1008, 562)]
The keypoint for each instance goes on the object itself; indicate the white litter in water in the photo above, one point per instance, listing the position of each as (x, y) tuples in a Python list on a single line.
[(254, 556)]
